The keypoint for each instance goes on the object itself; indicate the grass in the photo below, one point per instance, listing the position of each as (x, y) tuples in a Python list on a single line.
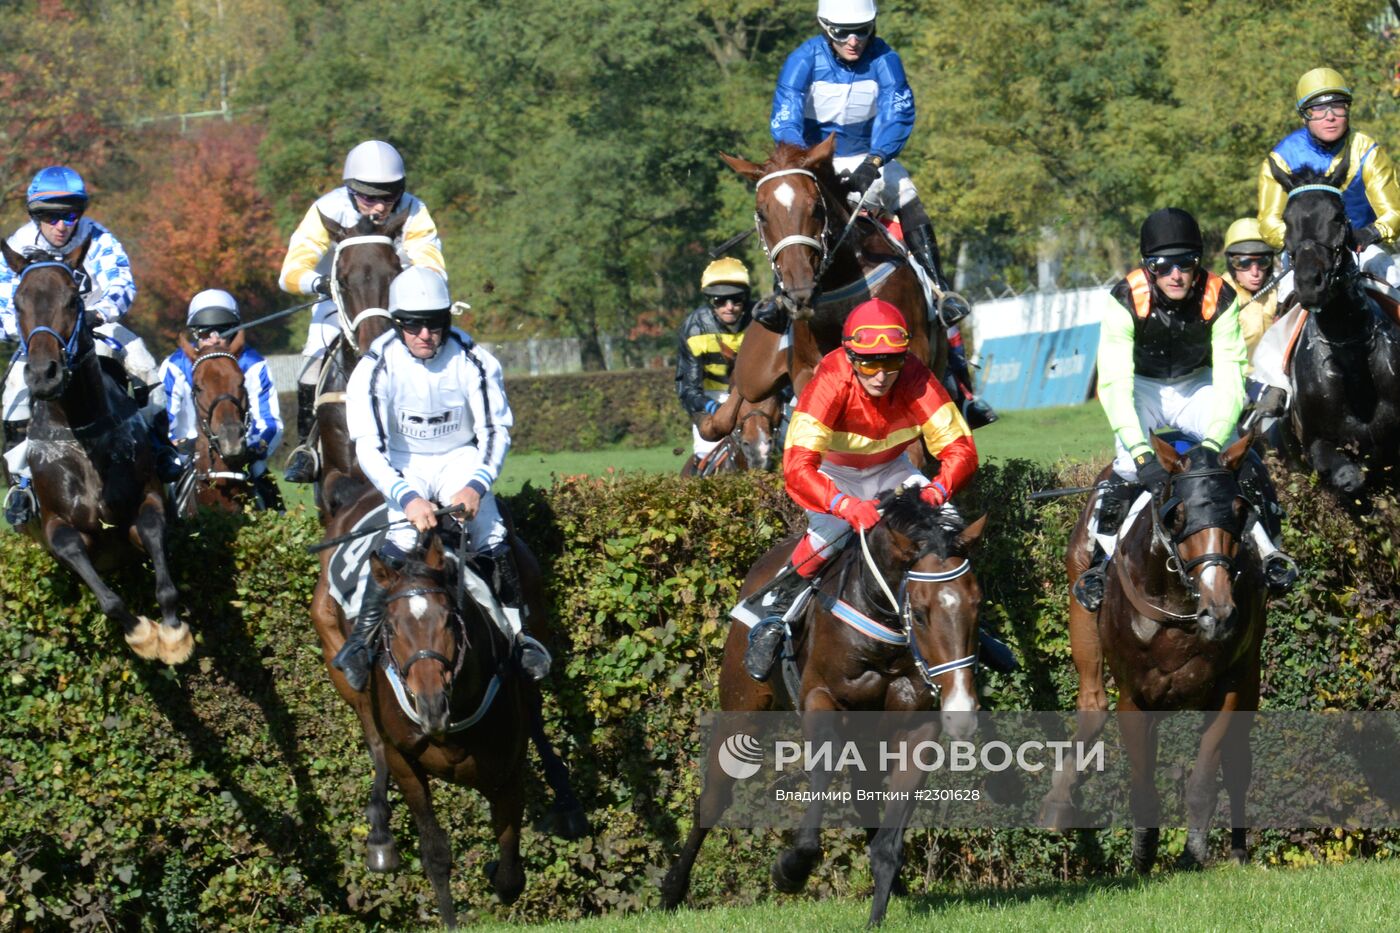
[(1332, 897)]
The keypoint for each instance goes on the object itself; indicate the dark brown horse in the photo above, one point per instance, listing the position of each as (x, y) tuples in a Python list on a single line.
[(800, 210), (1181, 625), (365, 263), (222, 415), (921, 553), (747, 435), (100, 501), (445, 702)]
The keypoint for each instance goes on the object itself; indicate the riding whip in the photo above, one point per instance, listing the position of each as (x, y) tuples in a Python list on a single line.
[(271, 317), (831, 253), (372, 529), (718, 251), (1059, 493)]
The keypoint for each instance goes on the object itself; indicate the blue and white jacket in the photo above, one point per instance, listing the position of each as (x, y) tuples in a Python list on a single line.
[(109, 290), (868, 103), (265, 428)]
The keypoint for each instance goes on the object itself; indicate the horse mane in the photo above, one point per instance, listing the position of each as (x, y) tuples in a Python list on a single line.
[(364, 226), (933, 530)]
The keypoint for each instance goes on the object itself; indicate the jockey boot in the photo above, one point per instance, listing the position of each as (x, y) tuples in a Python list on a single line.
[(269, 492), (20, 505), (169, 464), (15, 432), (923, 246), (302, 465), (958, 381), (1266, 523), (1115, 495), (530, 656), (766, 638), (356, 657)]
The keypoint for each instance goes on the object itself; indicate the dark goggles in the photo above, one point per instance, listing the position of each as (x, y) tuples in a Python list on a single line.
[(1162, 265), (56, 217), (203, 333), (874, 365), (1240, 263), (842, 33), (719, 301), (417, 325)]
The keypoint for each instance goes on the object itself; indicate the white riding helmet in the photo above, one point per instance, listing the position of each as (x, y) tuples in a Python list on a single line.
[(213, 307), (374, 167), (419, 293), (846, 12)]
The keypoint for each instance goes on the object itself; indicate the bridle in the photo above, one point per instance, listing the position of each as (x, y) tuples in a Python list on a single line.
[(350, 325), (206, 414), (795, 239), (1337, 270), (71, 346)]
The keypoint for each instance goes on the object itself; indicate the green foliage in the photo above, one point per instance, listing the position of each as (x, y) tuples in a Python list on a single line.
[(229, 793), (584, 411)]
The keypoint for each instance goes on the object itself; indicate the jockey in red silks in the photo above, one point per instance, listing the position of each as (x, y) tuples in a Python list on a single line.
[(866, 403)]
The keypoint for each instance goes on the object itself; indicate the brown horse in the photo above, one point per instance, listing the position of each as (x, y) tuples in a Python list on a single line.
[(222, 414), (365, 263), (1181, 625), (747, 433), (800, 211), (94, 474), (923, 554)]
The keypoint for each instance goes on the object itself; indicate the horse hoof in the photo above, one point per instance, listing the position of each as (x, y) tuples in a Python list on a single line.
[(1239, 857), (788, 877), (571, 824), (144, 639), (1145, 849), (506, 893), (176, 644), (382, 857), (1059, 816)]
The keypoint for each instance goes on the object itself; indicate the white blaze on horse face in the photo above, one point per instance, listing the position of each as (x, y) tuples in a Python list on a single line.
[(418, 606), (1211, 578), (784, 195), (949, 600), (962, 698)]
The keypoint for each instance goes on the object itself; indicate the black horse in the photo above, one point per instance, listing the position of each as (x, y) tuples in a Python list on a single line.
[(1345, 404)]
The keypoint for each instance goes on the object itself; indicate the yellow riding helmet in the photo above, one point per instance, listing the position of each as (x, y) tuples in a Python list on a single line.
[(1244, 238), (1318, 82), (726, 276)]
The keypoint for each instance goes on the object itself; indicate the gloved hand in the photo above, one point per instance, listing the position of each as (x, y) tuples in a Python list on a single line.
[(863, 177), (1366, 236), (934, 494), (322, 286), (861, 513), (1151, 473)]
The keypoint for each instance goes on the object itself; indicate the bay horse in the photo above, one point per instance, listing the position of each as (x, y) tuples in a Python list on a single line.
[(800, 212), (364, 264), (1344, 407), (1181, 625), (223, 417), (926, 661), (444, 702), (747, 435), (100, 501)]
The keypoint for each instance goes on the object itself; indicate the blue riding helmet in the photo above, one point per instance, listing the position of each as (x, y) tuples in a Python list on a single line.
[(55, 185)]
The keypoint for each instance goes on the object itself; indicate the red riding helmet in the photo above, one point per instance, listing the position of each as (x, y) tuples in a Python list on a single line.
[(875, 328)]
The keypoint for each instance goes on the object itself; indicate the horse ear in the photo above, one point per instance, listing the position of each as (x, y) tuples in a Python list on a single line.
[(1234, 455), (74, 259), (1166, 455), (821, 152), (336, 231), (434, 557), (743, 166), (185, 345), (238, 342), (972, 534), (392, 228), (13, 258), (381, 572)]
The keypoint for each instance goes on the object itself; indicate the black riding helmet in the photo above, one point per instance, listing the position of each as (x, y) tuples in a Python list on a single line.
[(1170, 231)]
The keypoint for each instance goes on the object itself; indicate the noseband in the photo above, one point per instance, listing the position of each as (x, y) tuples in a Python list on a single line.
[(347, 324), (68, 346)]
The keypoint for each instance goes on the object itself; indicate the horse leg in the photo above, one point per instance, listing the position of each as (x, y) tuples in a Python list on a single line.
[(434, 848), (758, 368), (715, 797), (795, 863), (67, 544), (1237, 765), (886, 847), (507, 874), (1140, 741), (176, 641), (566, 818), (1335, 468), (1201, 793), (383, 854)]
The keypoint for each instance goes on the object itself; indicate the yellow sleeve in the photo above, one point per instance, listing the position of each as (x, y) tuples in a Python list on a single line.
[(1227, 375), (1378, 174), (309, 243), (421, 243), (1116, 376), (1272, 199), (1255, 318)]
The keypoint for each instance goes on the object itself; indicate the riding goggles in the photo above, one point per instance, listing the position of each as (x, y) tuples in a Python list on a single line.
[(1338, 108), (719, 301), (874, 365), (877, 339), (418, 325), (1240, 263), (1162, 265), (203, 333), (56, 217), (842, 33)]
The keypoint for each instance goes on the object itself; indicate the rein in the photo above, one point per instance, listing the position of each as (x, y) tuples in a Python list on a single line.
[(69, 345), (206, 415), (347, 324)]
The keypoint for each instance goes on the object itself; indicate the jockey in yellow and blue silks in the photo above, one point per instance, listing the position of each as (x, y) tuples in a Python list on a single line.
[(1171, 355), (1326, 143), (849, 81)]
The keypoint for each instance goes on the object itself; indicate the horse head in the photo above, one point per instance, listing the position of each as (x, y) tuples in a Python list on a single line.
[(796, 205), (221, 401), (425, 637), (1318, 238), (938, 598), (754, 435), (1199, 519), (50, 315), (364, 264)]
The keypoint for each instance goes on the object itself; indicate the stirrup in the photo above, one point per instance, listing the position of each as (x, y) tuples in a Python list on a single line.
[(1088, 589), (20, 505), (1280, 573), (303, 466), (765, 640), (532, 657)]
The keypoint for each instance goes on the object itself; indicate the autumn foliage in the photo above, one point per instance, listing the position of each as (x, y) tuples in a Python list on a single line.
[(204, 224)]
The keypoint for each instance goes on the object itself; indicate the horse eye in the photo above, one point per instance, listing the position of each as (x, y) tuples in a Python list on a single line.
[(762, 217)]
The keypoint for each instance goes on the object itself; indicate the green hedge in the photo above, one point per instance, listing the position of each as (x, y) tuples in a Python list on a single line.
[(230, 792), (585, 411)]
